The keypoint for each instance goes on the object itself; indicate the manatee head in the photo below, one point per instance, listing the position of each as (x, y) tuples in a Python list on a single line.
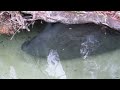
[(35, 47)]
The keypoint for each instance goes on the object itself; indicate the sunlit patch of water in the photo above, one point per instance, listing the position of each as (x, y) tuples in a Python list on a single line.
[(54, 65)]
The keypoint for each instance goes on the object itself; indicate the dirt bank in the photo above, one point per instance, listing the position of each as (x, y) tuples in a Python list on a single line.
[(11, 22)]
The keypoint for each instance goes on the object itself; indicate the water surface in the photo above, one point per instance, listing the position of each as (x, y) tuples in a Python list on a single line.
[(14, 63)]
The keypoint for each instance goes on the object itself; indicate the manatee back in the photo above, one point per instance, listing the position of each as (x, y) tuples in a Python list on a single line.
[(72, 41)]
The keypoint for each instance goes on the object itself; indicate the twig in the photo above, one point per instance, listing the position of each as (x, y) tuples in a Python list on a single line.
[(15, 33)]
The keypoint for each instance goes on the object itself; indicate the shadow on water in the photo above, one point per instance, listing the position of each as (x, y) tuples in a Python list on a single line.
[(72, 41)]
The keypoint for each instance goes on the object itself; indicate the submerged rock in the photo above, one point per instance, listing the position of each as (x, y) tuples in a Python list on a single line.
[(73, 41)]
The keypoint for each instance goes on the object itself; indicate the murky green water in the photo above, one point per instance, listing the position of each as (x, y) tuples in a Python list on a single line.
[(14, 63)]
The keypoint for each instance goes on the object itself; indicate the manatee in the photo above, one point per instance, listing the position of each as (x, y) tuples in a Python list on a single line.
[(73, 40)]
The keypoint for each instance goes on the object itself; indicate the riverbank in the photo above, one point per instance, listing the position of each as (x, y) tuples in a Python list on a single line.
[(12, 22)]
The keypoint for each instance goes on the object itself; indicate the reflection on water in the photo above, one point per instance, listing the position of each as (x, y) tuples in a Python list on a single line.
[(54, 65), (14, 63)]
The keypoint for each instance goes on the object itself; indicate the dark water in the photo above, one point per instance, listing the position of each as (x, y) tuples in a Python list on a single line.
[(15, 63)]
